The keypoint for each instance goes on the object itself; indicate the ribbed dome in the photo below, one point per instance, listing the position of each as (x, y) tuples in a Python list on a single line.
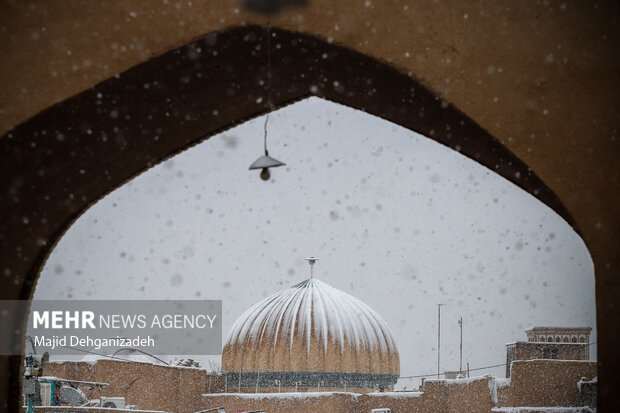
[(311, 327)]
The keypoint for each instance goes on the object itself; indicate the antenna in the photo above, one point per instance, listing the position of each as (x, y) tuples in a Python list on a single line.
[(311, 261), (438, 337), (461, 347)]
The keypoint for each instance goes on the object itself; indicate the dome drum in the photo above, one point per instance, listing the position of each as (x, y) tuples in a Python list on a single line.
[(309, 379)]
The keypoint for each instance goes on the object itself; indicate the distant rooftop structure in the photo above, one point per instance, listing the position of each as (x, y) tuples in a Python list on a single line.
[(556, 343), (559, 334)]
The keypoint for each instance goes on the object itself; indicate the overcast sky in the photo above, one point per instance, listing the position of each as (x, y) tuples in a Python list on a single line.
[(397, 220)]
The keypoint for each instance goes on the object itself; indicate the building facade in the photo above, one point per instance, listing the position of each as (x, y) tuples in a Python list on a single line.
[(174, 389), (559, 334), (555, 343)]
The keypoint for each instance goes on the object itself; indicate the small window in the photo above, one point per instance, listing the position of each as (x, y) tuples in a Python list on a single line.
[(546, 353), (550, 339), (574, 340), (554, 353)]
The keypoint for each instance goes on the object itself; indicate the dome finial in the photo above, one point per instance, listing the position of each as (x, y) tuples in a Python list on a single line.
[(311, 261)]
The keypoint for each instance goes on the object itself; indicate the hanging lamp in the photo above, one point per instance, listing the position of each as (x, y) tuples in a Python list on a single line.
[(264, 162)]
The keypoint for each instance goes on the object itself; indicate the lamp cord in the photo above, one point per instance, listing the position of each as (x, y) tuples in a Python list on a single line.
[(266, 120), (269, 101)]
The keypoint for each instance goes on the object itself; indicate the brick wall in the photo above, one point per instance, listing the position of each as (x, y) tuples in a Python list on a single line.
[(534, 383), (439, 396), (155, 387), (523, 350), (282, 402), (548, 382)]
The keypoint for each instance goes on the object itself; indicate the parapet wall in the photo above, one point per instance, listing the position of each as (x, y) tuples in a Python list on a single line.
[(150, 386), (309, 402), (534, 383), (471, 395), (547, 382)]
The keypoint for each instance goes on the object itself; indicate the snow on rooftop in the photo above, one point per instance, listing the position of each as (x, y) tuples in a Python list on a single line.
[(125, 355), (543, 409), (546, 343), (466, 380), (557, 328), (283, 395), (500, 382), (99, 408), (54, 378), (396, 394), (313, 308), (552, 361), (313, 394)]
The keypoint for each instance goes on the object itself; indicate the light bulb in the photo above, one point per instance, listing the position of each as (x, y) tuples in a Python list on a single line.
[(265, 175)]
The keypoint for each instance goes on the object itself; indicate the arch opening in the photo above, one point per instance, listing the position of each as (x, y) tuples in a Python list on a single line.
[(92, 143), (403, 218)]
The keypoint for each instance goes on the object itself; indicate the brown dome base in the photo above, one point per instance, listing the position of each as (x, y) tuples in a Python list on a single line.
[(308, 380)]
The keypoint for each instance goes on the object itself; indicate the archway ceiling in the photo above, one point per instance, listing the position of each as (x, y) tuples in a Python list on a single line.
[(84, 147), (542, 78)]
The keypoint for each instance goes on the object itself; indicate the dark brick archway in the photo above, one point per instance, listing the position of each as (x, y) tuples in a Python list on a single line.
[(64, 159)]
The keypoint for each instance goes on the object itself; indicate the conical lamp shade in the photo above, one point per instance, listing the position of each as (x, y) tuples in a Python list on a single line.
[(266, 161)]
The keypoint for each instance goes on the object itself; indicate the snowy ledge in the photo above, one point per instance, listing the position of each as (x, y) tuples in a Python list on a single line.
[(546, 343), (54, 378), (396, 394), (307, 395), (499, 382), (543, 409), (289, 395), (554, 361), (96, 359), (448, 382), (96, 408)]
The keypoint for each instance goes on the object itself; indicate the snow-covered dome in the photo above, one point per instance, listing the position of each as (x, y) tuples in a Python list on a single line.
[(313, 327)]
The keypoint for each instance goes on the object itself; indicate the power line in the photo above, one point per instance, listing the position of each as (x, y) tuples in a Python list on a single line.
[(434, 374), (476, 369), (401, 377)]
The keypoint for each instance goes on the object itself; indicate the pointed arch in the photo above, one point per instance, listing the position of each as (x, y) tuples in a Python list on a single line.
[(64, 159)]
